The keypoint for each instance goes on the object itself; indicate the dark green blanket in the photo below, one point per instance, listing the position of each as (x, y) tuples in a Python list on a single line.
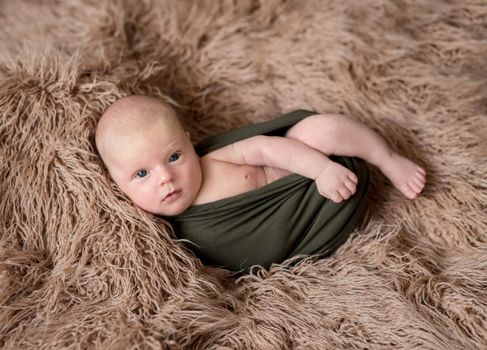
[(285, 218)]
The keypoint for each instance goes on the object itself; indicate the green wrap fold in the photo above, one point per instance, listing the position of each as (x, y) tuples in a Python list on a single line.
[(285, 218)]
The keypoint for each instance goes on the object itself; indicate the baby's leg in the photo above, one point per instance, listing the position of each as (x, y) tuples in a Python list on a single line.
[(343, 136)]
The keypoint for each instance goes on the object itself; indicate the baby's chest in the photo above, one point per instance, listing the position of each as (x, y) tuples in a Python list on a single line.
[(222, 180)]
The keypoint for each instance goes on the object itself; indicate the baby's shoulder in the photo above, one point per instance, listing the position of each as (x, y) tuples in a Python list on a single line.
[(246, 151), (211, 166)]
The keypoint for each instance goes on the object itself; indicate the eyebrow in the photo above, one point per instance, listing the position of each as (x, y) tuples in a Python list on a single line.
[(135, 165), (132, 169)]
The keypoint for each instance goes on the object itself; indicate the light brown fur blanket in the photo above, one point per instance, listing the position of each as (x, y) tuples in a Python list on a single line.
[(81, 267)]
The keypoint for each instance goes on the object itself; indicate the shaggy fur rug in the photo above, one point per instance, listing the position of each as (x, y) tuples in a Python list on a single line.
[(81, 267)]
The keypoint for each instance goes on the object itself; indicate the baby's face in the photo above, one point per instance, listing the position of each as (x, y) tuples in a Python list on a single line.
[(148, 166)]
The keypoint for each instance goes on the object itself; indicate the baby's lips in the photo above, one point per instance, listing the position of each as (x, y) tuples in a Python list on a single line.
[(170, 193)]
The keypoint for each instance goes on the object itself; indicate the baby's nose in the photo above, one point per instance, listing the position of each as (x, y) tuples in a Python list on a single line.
[(166, 177)]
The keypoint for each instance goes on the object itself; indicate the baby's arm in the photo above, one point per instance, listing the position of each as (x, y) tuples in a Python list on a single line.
[(333, 180)]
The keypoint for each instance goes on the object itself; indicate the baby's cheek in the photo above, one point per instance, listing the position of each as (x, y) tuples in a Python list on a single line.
[(136, 195), (144, 193)]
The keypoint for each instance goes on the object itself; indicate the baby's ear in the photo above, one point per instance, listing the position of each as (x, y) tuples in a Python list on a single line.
[(189, 136)]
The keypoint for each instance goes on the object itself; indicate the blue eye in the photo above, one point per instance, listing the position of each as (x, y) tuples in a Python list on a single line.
[(174, 157), (141, 173)]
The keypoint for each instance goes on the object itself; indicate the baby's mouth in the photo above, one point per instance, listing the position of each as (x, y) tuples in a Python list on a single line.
[(171, 195)]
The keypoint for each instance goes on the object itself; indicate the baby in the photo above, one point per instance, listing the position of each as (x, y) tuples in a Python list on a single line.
[(150, 157)]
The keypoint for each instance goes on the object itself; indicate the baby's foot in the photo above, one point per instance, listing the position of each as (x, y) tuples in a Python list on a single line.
[(405, 175)]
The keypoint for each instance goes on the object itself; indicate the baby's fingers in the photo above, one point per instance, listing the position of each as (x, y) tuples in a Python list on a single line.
[(345, 193), (352, 186), (352, 177), (336, 197)]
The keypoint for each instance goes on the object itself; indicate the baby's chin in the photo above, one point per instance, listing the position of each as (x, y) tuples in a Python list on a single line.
[(174, 207), (169, 214), (170, 211)]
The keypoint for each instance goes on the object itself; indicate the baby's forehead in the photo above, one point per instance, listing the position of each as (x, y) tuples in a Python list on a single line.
[(137, 147), (135, 115)]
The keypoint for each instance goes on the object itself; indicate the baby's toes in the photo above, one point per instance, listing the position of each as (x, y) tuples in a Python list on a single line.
[(409, 192), (415, 186), (419, 178), (419, 182)]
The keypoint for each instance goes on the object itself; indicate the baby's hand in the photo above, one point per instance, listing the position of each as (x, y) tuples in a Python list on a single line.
[(336, 182)]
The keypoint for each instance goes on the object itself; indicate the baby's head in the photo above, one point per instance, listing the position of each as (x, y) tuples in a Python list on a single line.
[(149, 155)]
